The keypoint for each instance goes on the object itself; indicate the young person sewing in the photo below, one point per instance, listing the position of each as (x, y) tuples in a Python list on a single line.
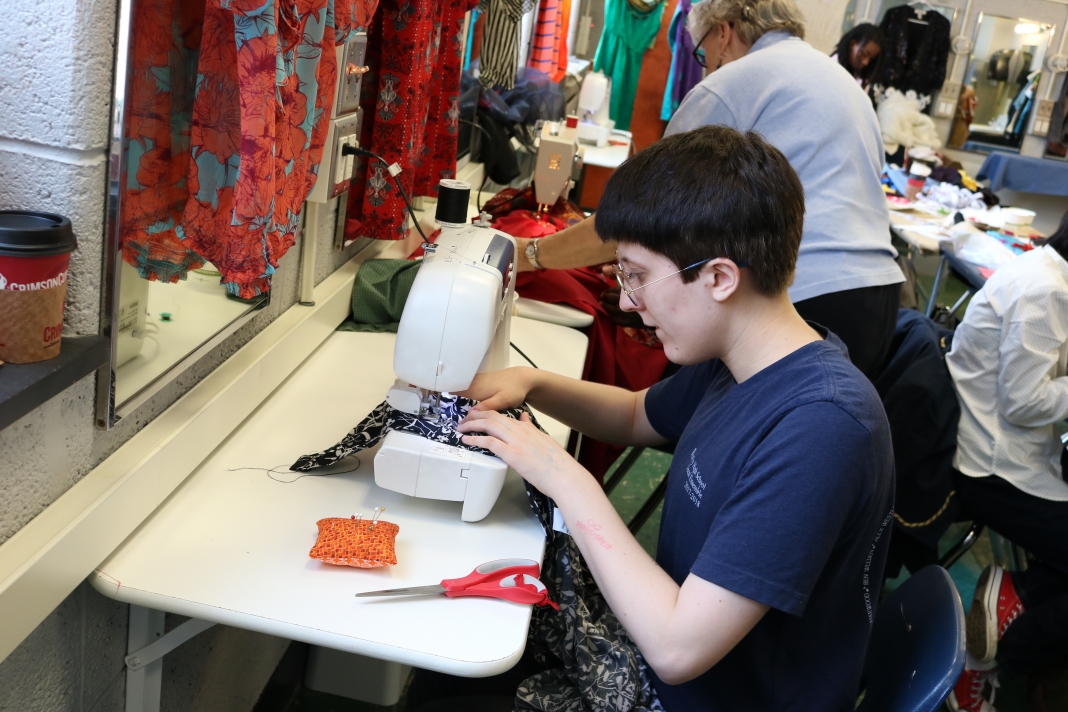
[(773, 537), (1009, 363)]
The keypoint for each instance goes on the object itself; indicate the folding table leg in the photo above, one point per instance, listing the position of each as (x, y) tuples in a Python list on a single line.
[(143, 685), (937, 286)]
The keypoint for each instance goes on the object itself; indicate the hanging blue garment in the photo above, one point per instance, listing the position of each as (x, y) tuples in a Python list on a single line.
[(667, 109), (685, 72)]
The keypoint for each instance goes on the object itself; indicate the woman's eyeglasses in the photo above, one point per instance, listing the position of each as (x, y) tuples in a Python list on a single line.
[(699, 50)]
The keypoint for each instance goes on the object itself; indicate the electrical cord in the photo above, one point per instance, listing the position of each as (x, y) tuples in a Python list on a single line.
[(485, 176), (358, 151)]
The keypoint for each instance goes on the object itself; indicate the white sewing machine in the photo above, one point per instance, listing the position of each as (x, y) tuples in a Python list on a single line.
[(559, 157), (456, 322), (594, 99)]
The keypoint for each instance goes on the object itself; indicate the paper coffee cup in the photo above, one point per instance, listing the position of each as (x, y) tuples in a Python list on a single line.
[(34, 257)]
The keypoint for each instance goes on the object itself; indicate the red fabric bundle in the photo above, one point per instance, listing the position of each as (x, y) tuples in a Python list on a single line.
[(613, 358)]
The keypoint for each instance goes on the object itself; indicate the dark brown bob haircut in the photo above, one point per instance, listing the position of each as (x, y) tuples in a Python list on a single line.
[(710, 192)]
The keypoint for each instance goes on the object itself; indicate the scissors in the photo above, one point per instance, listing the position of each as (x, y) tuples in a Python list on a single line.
[(513, 580)]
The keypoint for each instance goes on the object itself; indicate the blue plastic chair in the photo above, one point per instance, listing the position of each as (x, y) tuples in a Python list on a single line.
[(916, 651)]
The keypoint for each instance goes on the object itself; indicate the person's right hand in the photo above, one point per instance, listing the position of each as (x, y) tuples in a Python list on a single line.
[(500, 390)]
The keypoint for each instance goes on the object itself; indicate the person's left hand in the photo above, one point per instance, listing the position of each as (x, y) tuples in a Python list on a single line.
[(533, 454)]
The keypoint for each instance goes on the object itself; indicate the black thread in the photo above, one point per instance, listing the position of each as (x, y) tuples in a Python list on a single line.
[(271, 472)]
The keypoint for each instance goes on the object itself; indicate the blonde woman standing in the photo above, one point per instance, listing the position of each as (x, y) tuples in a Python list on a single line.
[(763, 77)]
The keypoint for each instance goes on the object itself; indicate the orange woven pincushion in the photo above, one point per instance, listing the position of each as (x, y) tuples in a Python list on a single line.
[(355, 542)]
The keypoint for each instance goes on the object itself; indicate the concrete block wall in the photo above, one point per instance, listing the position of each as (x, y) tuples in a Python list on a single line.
[(55, 103)]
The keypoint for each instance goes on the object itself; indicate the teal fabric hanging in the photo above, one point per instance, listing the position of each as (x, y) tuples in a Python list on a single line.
[(671, 104), (628, 32)]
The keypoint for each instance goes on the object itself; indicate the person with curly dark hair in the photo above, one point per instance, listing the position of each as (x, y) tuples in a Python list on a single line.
[(860, 51)]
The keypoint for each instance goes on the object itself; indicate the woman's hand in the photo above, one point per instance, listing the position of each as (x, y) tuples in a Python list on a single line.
[(500, 390), (533, 454)]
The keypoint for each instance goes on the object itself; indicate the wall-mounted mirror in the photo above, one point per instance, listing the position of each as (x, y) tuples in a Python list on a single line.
[(999, 87), (1057, 136), (163, 302), (161, 323)]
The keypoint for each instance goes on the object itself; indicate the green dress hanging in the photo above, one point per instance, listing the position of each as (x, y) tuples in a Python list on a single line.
[(628, 32)]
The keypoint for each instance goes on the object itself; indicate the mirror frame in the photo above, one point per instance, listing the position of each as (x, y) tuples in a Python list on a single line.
[(108, 413), (966, 24)]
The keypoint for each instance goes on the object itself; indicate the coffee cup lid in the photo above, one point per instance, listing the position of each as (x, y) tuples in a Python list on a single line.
[(27, 233)]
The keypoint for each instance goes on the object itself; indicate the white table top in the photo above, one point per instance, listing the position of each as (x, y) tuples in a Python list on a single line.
[(232, 546), (920, 230), (609, 156)]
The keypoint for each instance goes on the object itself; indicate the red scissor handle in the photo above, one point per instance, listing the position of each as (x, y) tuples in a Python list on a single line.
[(513, 580)]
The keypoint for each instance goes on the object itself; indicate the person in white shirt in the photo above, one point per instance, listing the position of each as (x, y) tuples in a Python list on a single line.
[(1009, 363)]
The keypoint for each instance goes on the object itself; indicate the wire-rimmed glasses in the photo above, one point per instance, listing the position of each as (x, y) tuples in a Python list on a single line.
[(623, 275)]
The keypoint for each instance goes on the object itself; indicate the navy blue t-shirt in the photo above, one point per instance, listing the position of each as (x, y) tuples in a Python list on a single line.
[(781, 490)]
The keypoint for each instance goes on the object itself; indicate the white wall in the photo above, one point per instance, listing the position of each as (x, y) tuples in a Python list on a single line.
[(58, 58), (823, 22)]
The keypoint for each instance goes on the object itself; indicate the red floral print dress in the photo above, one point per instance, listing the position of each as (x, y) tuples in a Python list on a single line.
[(411, 102), (260, 109)]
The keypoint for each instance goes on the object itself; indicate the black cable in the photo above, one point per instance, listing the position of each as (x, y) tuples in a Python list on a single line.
[(478, 200), (478, 126), (358, 151), (523, 354), (485, 176)]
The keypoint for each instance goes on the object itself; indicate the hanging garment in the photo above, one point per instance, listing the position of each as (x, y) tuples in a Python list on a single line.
[(499, 54), (593, 664), (1020, 110), (915, 54), (411, 103), (158, 117), (668, 106), (627, 34), (548, 51), (562, 29), (685, 72), (247, 76), (544, 46)]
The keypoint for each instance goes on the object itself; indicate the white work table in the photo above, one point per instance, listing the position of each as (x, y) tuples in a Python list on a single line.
[(231, 546), (611, 155), (921, 231)]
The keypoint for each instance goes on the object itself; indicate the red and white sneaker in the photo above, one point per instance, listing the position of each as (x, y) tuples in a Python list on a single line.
[(967, 694), (994, 608)]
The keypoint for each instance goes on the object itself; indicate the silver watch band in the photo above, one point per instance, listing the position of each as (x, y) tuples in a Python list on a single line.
[(532, 254)]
